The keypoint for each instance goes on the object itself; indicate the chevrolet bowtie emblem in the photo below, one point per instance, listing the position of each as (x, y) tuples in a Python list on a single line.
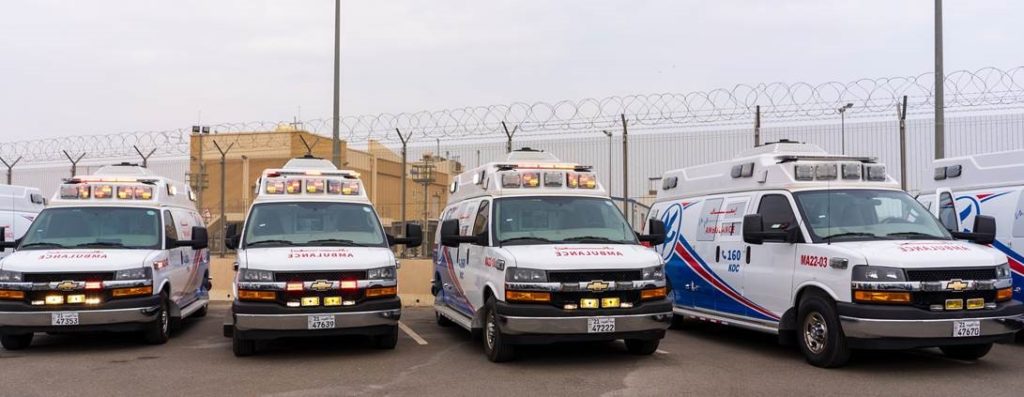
[(597, 286), (67, 285), (956, 285), (320, 285)]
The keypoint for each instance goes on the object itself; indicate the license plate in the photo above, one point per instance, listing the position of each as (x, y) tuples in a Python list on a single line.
[(964, 329), (62, 319), (321, 321), (600, 325)]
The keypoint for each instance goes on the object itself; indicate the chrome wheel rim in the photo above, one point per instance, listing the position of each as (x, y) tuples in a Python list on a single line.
[(490, 332), (164, 320), (815, 333)]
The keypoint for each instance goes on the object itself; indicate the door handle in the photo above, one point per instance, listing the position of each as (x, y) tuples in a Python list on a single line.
[(447, 287), (718, 253), (748, 254)]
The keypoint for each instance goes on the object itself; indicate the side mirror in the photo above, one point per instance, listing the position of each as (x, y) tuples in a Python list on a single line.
[(200, 239), (754, 233), (232, 238), (984, 231), (655, 232), (413, 236), (4, 244), (450, 236)]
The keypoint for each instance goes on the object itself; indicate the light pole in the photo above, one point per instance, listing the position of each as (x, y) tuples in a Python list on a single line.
[(335, 134), (842, 126), (940, 78)]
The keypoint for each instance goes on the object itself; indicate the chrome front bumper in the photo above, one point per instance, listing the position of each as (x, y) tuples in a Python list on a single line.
[(866, 328), (515, 325), (85, 317), (294, 322)]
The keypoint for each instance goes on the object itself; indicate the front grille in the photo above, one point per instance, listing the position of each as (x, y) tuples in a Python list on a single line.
[(951, 274), (313, 276), (58, 277), (560, 299), (924, 299), (575, 277)]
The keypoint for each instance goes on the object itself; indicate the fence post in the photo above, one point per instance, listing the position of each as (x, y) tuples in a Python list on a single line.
[(145, 157), (508, 144), (10, 167), (625, 171), (405, 146), (74, 162), (901, 111), (223, 186)]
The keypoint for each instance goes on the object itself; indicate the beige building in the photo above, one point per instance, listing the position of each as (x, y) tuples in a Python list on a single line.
[(248, 154)]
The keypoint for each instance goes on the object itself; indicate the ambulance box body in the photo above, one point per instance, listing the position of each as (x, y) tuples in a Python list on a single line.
[(827, 250), (314, 259), (532, 250), (121, 250)]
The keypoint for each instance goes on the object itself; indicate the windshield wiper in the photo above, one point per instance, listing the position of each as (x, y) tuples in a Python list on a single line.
[(335, 241), (515, 239), (923, 236), (43, 244), (592, 239), (282, 242), (849, 234), (97, 244)]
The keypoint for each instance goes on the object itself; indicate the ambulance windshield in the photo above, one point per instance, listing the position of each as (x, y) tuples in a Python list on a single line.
[(843, 215), (560, 220), (313, 224), (94, 227)]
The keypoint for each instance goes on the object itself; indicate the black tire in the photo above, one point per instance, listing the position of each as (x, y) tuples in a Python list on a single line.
[(820, 334), (966, 352), (159, 331), (16, 342), (387, 340), (642, 347), (202, 312), (442, 320), (496, 349), (678, 322), (242, 347)]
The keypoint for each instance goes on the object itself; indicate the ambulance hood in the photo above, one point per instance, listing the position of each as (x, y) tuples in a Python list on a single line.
[(582, 256), (916, 254), (315, 258), (78, 260)]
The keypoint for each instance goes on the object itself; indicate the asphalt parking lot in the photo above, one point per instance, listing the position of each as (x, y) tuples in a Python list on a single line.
[(701, 359)]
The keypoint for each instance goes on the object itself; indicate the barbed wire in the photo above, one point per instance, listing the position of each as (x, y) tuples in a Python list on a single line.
[(983, 89)]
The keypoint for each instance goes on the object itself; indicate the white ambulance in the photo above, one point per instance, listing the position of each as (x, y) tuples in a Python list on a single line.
[(313, 260), (19, 205), (790, 240), (121, 250), (532, 251), (987, 184)]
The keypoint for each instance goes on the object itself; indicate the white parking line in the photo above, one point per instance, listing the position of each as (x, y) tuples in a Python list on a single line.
[(412, 334), (659, 351)]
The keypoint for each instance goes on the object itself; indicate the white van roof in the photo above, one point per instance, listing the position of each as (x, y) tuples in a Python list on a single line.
[(310, 178), (775, 166), (20, 199), (124, 184), (526, 172), (978, 171)]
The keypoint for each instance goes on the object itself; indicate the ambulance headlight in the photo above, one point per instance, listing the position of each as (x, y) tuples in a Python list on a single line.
[(7, 276), (878, 273), (656, 273), (1003, 271), (524, 275), (255, 275), (139, 273), (382, 273)]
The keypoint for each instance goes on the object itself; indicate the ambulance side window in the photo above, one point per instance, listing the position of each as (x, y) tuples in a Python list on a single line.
[(776, 212), (947, 211), (482, 216), (170, 231)]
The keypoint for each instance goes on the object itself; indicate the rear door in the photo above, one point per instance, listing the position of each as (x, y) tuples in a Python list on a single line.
[(729, 253), (176, 269)]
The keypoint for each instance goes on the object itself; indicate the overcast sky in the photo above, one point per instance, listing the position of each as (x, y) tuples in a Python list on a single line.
[(81, 67)]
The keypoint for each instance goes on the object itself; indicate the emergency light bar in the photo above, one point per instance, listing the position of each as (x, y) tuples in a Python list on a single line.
[(311, 186), (83, 191), (533, 179), (830, 172)]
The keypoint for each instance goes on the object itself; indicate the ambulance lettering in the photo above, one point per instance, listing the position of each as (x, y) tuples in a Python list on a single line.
[(932, 247), (73, 255), (312, 254), (597, 251)]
